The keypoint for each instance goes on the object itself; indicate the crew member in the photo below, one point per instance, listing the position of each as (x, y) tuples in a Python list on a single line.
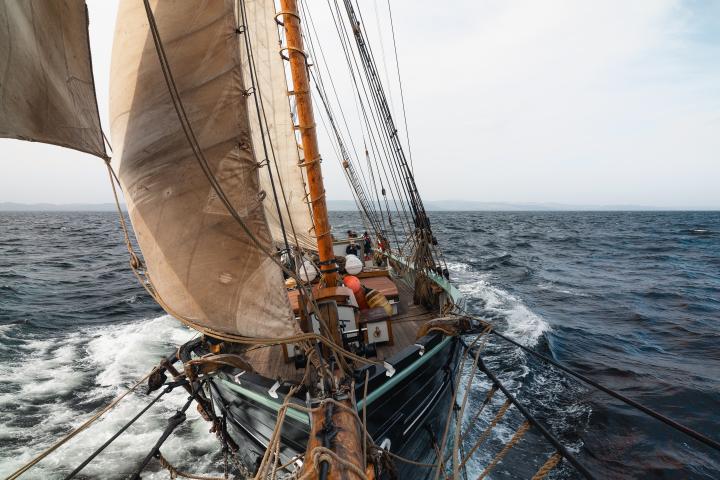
[(351, 249), (367, 246)]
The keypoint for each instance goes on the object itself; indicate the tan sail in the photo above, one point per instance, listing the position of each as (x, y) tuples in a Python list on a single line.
[(47, 93), (280, 142), (199, 259)]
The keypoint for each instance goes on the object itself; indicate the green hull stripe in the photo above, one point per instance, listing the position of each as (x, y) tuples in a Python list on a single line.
[(402, 374), (270, 403), (374, 395), (302, 417)]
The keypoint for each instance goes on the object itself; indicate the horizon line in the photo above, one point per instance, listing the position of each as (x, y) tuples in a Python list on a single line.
[(10, 206)]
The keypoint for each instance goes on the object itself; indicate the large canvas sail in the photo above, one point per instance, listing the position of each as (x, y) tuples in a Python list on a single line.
[(199, 259), (47, 93), (277, 125)]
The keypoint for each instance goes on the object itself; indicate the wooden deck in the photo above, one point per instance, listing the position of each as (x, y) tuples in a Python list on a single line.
[(270, 361)]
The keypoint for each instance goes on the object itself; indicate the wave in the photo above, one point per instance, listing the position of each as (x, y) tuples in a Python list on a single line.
[(699, 231), (53, 385), (521, 323), (554, 287)]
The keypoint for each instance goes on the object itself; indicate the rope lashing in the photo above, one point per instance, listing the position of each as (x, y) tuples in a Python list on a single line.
[(466, 396), (446, 429), (582, 469)]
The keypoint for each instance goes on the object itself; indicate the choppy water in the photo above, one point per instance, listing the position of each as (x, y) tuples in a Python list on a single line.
[(630, 299)]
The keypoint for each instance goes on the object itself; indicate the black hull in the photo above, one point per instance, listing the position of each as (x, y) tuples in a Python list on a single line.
[(405, 413)]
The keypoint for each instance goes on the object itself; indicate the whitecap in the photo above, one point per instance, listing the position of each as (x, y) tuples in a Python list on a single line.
[(110, 358), (523, 325)]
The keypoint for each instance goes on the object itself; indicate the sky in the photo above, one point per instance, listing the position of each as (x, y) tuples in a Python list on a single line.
[(561, 101)]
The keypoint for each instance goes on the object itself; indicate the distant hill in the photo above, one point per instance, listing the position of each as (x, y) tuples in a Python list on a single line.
[(469, 206), (52, 207), (349, 205)]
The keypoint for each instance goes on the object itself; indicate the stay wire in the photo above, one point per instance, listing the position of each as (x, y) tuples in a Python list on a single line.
[(378, 205), (357, 187), (402, 95), (322, 59), (379, 97), (381, 101), (378, 141), (376, 112), (360, 204), (127, 425), (375, 136), (654, 414), (316, 75), (369, 65), (79, 429)]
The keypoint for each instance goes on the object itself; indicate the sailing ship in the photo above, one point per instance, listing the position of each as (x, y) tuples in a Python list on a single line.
[(216, 150), (314, 359)]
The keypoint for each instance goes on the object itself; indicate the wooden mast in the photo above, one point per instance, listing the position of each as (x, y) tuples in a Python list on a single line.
[(308, 135), (334, 426)]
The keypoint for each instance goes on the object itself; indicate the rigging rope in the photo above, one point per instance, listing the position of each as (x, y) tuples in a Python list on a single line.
[(548, 466), (519, 434), (486, 433), (446, 430), (127, 425), (658, 416), (241, 29), (402, 95), (426, 258), (375, 133)]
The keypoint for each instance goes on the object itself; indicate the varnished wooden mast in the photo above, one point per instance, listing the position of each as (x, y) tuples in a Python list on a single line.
[(334, 428), (308, 135)]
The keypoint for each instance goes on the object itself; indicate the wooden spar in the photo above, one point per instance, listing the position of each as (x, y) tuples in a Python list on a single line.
[(308, 135), (333, 427), (336, 428)]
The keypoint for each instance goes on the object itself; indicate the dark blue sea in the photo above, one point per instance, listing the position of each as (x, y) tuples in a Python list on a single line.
[(630, 299)]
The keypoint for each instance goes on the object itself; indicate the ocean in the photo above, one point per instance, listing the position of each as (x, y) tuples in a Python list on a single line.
[(630, 299)]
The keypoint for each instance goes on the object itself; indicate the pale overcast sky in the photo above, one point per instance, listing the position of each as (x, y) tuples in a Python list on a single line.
[(576, 102)]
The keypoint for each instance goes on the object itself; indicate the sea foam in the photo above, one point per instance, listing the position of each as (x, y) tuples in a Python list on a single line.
[(56, 385), (522, 324)]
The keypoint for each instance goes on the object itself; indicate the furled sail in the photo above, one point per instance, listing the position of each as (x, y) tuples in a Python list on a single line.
[(199, 259), (47, 93), (275, 123)]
